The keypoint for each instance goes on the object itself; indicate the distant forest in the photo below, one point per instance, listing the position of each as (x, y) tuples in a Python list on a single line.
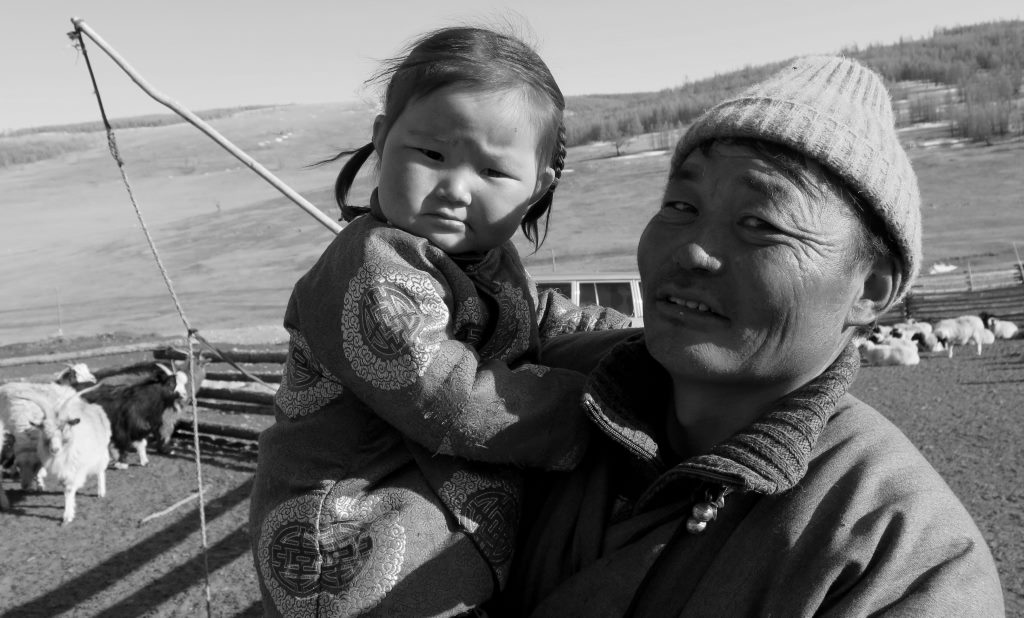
[(980, 67)]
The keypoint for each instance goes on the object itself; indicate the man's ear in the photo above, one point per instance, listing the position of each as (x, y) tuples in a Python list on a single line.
[(881, 283), (379, 133), (544, 181)]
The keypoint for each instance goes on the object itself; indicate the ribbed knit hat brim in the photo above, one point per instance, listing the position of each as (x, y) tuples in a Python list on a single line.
[(836, 111)]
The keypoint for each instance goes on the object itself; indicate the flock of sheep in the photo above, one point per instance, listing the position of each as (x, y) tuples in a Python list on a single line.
[(902, 343), (70, 429)]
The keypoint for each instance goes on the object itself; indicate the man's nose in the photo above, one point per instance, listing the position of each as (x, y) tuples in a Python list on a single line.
[(698, 253), (453, 187)]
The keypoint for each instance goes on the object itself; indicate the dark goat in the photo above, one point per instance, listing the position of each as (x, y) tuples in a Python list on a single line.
[(138, 404)]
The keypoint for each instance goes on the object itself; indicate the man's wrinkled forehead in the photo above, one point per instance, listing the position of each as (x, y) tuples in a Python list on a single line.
[(769, 166)]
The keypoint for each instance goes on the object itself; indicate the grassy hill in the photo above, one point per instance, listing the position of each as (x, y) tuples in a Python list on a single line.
[(76, 261)]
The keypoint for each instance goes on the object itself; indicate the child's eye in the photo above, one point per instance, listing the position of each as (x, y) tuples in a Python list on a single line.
[(493, 173), (433, 155)]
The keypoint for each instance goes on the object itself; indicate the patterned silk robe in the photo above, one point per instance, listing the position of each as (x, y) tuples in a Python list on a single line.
[(389, 483)]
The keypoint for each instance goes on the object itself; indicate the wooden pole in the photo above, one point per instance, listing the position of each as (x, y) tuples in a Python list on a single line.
[(238, 356), (60, 314), (236, 394), (60, 357), (199, 123), (1020, 265), (234, 376)]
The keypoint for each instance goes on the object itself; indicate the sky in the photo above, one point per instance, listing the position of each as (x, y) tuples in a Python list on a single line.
[(224, 53)]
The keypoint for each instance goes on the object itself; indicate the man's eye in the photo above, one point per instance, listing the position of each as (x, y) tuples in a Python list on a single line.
[(679, 207), (756, 223)]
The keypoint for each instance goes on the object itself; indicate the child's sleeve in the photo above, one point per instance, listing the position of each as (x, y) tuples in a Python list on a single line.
[(557, 315), (401, 358)]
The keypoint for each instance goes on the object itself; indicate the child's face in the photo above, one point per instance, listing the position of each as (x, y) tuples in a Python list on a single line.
[(460, 168)]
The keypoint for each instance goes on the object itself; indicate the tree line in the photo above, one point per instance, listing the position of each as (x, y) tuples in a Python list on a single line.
[(981, 67)]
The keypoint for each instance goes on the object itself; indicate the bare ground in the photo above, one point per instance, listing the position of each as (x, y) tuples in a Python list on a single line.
[(965, 415)]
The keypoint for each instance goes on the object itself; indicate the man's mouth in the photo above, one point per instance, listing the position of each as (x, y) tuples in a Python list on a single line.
[(690, 304)]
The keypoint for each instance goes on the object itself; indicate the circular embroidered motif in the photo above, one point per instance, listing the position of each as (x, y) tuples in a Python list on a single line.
[(347, 566), (486, 506), (293, 558), (306, 385), (386, 313), (492, 509), (385, 316), (347, 548)]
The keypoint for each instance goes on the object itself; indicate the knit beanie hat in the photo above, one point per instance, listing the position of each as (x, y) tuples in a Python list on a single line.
[(836, 111)]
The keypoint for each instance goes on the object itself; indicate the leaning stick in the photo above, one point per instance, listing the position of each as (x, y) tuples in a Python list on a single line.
[(170, 509), (199, 123)]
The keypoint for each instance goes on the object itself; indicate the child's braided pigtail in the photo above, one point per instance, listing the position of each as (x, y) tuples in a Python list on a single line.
[(543, 206), (346, 177)]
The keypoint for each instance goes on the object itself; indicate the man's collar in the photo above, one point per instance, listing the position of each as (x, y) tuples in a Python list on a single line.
[(626, 398)]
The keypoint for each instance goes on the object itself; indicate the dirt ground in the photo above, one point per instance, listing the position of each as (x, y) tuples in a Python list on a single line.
[(964, 414)]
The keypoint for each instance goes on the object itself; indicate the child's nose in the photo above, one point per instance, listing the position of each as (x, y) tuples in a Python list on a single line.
[(453, 187)]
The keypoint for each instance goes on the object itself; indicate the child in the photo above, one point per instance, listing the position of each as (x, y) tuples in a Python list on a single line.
[(411, 384)]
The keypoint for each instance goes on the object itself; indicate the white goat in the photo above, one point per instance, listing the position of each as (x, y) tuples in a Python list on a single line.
[(1002, 329), (19, 415), (897, 352), (960, 331), (74, 446)]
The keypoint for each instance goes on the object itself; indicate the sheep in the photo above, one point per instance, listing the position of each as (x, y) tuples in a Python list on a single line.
[(75, 375), (73, 446), (1002, 329), (880, 333), (960, 331), (139, 405), (927, 342), (19, 415), (907, 330), (896, 353)]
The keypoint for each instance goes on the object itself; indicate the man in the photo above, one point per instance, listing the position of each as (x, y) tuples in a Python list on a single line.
[(733, 474)]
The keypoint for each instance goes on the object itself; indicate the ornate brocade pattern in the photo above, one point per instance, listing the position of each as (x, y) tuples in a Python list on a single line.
[(384, 315), (487, 508), (338, 562), (306, 385), (512, 336)]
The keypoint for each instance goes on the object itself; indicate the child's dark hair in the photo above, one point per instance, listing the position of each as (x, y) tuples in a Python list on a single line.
[(482, 59)]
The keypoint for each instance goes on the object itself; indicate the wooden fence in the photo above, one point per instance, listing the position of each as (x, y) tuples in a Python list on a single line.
[(995, 290), (228, 391)]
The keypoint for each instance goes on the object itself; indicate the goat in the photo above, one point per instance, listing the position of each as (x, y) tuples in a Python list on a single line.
[(960, 331), (20, 415), (22, 452), (73, 445), (139, 406)]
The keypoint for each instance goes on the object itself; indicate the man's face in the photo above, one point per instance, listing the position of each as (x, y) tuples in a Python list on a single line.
[(747, 279)]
